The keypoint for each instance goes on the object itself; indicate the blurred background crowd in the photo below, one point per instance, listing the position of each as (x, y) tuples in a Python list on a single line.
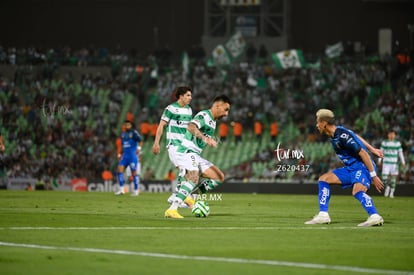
[(62, 108)]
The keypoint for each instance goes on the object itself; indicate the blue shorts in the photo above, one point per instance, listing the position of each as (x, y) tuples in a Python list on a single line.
[(131, 161), (351, 175)]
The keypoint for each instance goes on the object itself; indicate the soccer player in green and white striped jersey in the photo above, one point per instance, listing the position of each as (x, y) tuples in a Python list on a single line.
[(175, 119), (200, 133), (392, 150)]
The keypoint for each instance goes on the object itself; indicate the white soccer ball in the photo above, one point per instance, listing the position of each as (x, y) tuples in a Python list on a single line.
[(201, 209)]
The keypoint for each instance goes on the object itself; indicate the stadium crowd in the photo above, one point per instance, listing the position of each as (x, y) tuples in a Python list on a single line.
[(58, 125)]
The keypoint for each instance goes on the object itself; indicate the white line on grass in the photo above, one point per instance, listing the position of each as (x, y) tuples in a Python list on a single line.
[(181, 228), (213, 259)]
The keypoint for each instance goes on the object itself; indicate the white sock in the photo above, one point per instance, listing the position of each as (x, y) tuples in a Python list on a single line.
[(387, 191), (174, 205)]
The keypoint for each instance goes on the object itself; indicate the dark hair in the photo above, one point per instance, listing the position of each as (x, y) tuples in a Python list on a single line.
[(128, 121), (222, 98), (181, 91)]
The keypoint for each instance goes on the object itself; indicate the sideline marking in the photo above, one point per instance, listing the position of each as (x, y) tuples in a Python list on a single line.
[(181, 228), (213, 259)]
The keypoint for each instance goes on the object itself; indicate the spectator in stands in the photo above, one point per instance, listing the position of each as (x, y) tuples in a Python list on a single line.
[(130, 116), (170, 175), (223, 131), (274, 131), (237, 132), (29, 187), (145, 129), (107, 176), (258, 130)]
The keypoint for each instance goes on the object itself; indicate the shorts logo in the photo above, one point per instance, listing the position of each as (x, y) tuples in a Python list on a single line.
[(358, 174), (194, 162)]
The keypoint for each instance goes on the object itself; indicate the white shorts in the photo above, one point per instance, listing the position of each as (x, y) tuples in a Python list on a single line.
[(192, 162), (172, 154), (389, 169)]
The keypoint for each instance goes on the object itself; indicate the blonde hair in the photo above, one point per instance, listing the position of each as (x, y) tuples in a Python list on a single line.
[(325, 115)]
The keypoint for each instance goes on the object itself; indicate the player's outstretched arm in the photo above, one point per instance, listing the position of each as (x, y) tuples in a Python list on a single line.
[(377, 152), (366, 159)]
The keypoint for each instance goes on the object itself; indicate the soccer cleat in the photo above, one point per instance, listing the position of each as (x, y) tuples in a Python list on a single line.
[(120, 193), (189, 201), (173, 214), (135, 194), (320, 218), (373, 220)]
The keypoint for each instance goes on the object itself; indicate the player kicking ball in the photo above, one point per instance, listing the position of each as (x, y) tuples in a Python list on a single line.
[(199, 134)]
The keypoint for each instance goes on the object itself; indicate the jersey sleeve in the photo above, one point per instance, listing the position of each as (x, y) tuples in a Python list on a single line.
[(349, 142), (198, 119), (137, 136), (166, 114)]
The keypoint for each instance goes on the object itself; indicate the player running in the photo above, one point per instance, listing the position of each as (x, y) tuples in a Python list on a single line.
[(175, 119)]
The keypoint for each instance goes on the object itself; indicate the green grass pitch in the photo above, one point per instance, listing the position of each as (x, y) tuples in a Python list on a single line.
[(46, 232)]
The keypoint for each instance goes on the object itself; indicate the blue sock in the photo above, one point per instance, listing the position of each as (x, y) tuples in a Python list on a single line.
[(135, 179), (121, 179), (324, 195), (366, 202)]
